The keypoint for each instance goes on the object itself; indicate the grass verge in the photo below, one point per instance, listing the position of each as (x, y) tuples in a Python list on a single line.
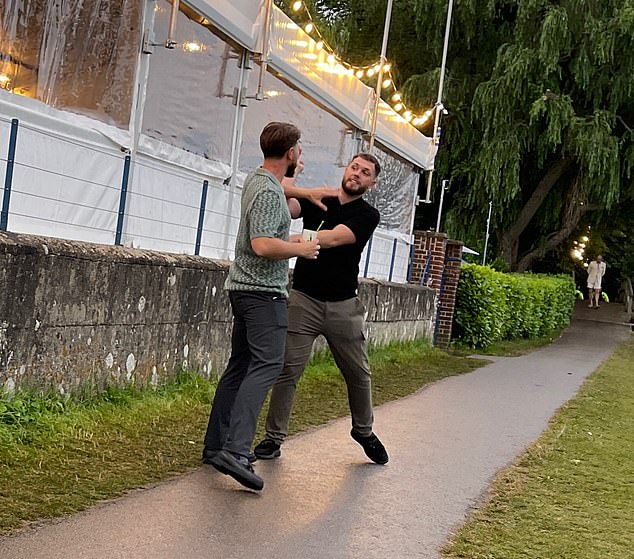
[(571, 495), (510, 348), (58, 456)]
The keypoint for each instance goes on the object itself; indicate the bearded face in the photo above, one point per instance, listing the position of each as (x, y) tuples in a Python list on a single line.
[(358, 177)]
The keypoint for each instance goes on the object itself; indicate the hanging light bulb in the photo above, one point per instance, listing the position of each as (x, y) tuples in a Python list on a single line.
[(396, 97), (369, 72), (407, 115), (309, 28), (297, 6), (387, 83), (377, 68), (398, 107), (319, 45), (359, 74), (192, 46), (387, 67), (331, 59), (417, 121), (350, 71)]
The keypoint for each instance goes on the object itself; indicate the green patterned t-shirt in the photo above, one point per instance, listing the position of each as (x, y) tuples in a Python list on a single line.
[(263, 213)]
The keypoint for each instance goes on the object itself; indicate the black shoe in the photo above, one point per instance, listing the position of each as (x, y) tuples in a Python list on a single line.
[(242, 472), (372, 447), (267, 450), (209, 452)]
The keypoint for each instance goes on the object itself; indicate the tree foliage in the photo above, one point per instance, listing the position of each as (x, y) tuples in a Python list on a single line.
[(540, 96)]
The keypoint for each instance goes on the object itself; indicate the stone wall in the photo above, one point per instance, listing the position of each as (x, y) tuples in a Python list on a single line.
[(76, 315)]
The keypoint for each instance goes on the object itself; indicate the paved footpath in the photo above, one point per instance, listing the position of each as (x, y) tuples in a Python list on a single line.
[(322, 500)]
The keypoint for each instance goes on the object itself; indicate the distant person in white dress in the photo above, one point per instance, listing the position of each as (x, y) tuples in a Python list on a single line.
[(596, 270)]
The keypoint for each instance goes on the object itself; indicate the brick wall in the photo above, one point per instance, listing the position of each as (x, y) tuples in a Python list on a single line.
[(437, 265)]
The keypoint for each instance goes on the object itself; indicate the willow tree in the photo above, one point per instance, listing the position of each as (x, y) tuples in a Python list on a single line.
[(541, 101)]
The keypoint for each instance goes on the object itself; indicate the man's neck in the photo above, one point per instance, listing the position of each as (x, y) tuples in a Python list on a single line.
[(277, 167), (345, 198)]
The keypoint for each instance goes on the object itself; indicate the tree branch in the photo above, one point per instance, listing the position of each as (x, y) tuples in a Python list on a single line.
[(553, 174)]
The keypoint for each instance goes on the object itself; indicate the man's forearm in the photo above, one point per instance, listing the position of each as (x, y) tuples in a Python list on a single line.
[(274, 249), (291, 190)]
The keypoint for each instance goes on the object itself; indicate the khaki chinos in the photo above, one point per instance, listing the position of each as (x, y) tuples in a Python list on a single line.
[(342, 323)]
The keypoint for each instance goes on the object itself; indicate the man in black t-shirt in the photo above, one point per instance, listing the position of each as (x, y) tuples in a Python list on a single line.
[(323, 300)]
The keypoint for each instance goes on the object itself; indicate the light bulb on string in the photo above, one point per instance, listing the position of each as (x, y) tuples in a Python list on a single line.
[(369, 72), (398, 107), (387, 83), (309, 28), (297, 6), (331, 59), (192, 46), (396, 97), (319, 45)]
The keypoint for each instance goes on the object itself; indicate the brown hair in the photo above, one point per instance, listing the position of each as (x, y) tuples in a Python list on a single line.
[(277, 138), (371, 159)]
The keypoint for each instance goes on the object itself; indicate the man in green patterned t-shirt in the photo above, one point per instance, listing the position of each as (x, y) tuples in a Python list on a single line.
[(257, 291)]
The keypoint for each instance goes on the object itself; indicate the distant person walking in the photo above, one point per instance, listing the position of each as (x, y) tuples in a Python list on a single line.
[(257, 291), (596, 271), (323, 300)]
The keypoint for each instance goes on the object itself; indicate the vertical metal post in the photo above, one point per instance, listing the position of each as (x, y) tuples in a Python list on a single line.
[(486, 238), (259, 95), (122, 199), (389, 278), (201, 217), (8, 178), (442, 197), (412, 255), (379, 79), (441, 85), (367, 258), (170, 43)]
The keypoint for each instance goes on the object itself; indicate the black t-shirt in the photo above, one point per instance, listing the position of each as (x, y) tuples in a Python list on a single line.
[(333, 276)]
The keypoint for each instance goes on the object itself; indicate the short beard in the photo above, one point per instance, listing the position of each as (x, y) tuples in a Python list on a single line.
[(290, 170), (352, 192)]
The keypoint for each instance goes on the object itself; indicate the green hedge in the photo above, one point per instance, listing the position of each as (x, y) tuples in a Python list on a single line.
[(492, 306)]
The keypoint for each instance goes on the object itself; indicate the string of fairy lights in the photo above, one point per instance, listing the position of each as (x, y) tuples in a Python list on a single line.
[(365, 73)]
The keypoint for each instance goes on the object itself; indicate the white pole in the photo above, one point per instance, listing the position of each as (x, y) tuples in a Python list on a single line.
[(442, 196), (441, 85), (379, 79), (486, 238)]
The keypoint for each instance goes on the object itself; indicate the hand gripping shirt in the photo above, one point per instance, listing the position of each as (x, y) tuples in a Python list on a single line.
[(263, 213)]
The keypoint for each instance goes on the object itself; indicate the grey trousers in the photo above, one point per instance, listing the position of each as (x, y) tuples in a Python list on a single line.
[(342, 323), (257, 355)]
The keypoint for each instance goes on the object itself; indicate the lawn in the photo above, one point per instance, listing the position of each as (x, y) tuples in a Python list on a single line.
[(571, 495), (58, 456)]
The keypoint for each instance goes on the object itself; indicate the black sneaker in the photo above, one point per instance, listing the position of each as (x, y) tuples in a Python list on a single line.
[(239, 469), (209, 452), (372, 447), (267, 450)]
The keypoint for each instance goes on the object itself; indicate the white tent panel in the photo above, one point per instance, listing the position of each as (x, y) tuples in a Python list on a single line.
[(162, 207), (65, 185), (240, 19), (294, 54), (395, 133)]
